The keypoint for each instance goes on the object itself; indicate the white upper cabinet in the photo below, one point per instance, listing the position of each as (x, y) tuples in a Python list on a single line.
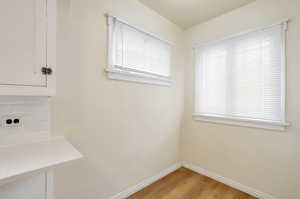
[(27, 47)]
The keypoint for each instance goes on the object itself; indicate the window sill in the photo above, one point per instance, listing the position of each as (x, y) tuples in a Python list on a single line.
[(137, 77), (278, 126)]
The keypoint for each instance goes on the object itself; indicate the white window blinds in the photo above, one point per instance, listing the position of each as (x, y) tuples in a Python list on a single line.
[(243, 77), (139, 53)]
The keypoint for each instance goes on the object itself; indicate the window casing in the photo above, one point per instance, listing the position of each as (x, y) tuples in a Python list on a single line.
[(137, 56), (241, 80)]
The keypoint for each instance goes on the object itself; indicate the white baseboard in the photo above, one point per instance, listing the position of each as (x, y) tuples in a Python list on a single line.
[(131, 190), (229, 182)]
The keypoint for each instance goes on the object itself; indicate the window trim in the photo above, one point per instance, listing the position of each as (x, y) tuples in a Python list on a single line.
[(247, 122), (254, 123), (117, 72)]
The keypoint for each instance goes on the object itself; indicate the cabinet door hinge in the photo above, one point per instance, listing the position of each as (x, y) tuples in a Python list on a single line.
[(46, 71)]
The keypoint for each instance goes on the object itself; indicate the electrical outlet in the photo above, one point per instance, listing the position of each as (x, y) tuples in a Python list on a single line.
[(11, 121)]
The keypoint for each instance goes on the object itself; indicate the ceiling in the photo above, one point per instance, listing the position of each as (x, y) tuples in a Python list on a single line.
[(187, 13)]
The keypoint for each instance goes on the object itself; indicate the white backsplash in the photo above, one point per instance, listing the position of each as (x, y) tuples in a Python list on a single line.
[(35, 117)]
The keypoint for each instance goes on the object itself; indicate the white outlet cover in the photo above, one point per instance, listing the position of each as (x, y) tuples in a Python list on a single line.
[(12, 125)]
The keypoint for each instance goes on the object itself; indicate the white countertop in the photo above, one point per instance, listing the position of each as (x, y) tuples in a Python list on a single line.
[(26, 159)]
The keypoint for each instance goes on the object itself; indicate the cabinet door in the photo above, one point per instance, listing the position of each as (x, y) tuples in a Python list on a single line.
[(28, 188), (23, 42)]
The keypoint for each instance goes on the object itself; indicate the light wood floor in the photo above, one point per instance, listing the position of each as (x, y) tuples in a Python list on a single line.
[(186, 184)]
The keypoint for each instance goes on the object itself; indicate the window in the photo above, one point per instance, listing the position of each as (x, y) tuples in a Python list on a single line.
[(137, 56), (241, 80)]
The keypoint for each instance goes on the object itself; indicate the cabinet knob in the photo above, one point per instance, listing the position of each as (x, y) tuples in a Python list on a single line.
[(47, 71)]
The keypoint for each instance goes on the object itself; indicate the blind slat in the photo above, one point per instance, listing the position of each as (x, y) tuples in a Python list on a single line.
[(242, 76), (140, 51)]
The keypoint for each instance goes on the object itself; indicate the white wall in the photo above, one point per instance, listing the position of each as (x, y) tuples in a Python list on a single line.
[(130, 131), (266, 160), (126, 131)]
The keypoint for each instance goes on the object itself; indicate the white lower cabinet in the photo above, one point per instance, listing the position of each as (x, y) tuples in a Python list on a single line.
[(33, 187), (26, 170)]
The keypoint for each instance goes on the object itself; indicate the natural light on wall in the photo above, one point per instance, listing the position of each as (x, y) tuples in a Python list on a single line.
[(241, 80), (136, 55)]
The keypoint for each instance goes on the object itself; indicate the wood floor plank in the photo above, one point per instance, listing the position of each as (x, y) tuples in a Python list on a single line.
[(186, 184)]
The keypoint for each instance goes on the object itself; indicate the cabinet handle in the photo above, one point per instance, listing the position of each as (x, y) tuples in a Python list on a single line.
[(46, 71)]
